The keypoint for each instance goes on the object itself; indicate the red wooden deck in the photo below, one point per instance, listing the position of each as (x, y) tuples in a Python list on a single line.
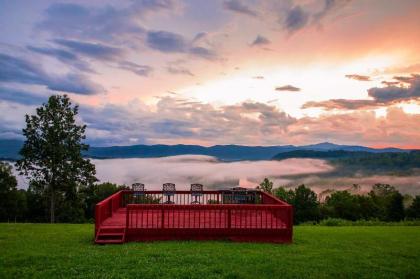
[(120, 219)]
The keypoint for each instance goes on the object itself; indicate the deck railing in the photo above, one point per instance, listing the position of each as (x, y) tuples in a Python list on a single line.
[(212, 216), (107, 207), (150, 212)]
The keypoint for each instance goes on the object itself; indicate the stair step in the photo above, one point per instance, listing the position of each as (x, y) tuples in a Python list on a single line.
[(109, 241), (112, 230), (110, 234)]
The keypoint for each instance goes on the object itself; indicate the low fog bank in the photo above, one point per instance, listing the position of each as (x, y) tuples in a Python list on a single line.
[(215, 174), (404, 184)]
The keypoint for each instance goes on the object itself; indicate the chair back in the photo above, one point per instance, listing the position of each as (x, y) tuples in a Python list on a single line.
[(196, 189), (168, 189), (137, 187)]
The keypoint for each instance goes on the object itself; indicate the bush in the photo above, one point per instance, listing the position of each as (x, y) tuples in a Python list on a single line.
[(413, 212), (337, 222), (304, 201)]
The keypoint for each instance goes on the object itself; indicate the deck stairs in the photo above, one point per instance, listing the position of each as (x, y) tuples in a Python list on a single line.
[(110, 235)]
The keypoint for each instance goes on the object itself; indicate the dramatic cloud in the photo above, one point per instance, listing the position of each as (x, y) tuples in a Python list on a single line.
[(12, 115), (381, 96), (260, 40), (93, 50), (179, 70), (100, 52), (296, 19), (329, 6), (394, 93), (408, 79), (166, 41), (61, 54), (390, 83), (341, 104), (75, 83), (18, 70), (177, 119), (173, 120), (141, 70), (64, 56), (20, 96), (358, 77), (296, 16), (397, 128), (239, 7), (288, 88), (203, 53), (169, 42), (105, 23)]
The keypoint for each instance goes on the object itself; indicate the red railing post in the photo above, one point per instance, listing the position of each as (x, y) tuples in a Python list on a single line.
[(229, 219), (127, 217), (162, 225)]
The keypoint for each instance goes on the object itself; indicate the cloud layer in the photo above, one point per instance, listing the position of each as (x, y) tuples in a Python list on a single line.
[(405, 88), (19, 70)]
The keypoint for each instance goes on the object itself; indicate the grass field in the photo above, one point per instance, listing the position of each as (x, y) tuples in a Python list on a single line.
[(50, 251)]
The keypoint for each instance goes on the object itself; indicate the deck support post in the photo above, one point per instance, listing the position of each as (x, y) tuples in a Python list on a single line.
[(229, 221), (127, 217), (162, 219)]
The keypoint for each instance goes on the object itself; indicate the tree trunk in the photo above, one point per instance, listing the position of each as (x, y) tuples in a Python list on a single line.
[(52, 208)]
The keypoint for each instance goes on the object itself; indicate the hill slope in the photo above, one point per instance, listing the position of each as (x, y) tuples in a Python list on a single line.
[(360, 160), (10, 149), (64, 250)]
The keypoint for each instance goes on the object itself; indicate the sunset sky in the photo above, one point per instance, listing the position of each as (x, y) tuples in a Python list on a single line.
[(269, 72)]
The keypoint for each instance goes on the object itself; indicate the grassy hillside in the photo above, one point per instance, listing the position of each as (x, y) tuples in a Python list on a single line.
[(50, 251)]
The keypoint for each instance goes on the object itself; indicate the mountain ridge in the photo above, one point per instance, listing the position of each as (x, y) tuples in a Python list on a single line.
[(9, 149)]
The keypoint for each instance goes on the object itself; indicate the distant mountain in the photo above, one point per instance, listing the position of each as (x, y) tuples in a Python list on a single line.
[(325, 146), (323, 154), (10, 148), (222, 152), (361, 161)]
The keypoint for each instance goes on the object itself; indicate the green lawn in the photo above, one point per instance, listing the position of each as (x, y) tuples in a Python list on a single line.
[(47, 251)]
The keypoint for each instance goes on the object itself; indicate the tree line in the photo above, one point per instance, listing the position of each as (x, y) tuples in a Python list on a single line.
[(383, 202), (33, 204)]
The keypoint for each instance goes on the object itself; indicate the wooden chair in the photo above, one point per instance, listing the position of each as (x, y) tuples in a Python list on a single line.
[(138, 192), (138, 187), (169, 190), (196, 192)]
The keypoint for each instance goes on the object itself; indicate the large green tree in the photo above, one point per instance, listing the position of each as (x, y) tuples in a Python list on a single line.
[(414, 210), (389, 201), (304, 201), (342, 204), (51, 156)]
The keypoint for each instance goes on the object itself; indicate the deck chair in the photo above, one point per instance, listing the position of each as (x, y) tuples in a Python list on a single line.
[(196, 192), (169, 190), (239, 195), (138, 191)]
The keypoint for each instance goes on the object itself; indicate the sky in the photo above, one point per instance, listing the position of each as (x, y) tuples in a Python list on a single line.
[(268, 72)]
